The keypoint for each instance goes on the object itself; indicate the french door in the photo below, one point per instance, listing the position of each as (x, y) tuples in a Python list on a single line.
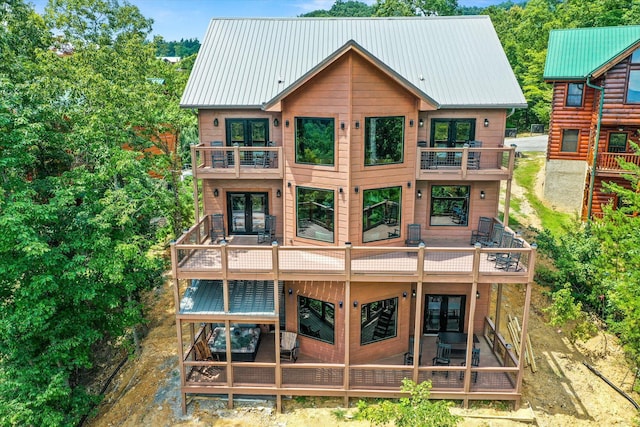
[(246, 212), (247, 133), (451, 133), (444, 313)]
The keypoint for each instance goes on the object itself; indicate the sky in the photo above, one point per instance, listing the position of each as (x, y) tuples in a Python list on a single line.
[(188, 19)]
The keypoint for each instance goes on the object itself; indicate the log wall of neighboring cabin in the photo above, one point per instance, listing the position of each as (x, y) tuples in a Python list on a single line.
[(601, 196), (563, 117)]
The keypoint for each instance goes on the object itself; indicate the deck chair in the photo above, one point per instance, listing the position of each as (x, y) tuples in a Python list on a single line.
[(203, 353), (505, 242), (217, 228), (494, 238), (268, 234), (475, 362), (408, 356), (485, 225), (289, 345), (414, 235), (473, 161), (218, 157), (443, 357), (505, 261)]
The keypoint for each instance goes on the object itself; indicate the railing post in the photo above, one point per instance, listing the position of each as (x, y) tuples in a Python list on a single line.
[(417, 320), (236, 160), (194, 173), (465, 160), (347, 317)]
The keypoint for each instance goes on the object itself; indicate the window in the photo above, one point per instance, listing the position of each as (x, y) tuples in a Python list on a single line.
[(316, 319), (569, 141), (633, 87), (635, 57), (574, 94), (247, 133), (384, 140), (617, 142), (378, 321), (315, 141), (315, 209), (381, 214), (449, 205)]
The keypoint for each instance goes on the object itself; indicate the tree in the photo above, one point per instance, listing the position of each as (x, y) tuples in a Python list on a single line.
[(413, 411), (341, 8)]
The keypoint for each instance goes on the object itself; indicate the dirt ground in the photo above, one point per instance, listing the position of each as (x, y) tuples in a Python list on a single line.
[(563, 391)]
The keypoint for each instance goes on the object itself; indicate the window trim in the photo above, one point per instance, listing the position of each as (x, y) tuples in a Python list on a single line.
[(633, 68), (366, 140), (246, 121), (295, 141), (626, 141), (562, 139), (568, 94)]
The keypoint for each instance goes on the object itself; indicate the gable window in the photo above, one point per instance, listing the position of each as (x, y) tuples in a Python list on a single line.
[(635, 57), (633, 87), (378, 321), (569, 141), (381, 214), (574, 94), (384, 140), (315, 209), (449, 205), (617, 142), (316, 319), (315, 141)]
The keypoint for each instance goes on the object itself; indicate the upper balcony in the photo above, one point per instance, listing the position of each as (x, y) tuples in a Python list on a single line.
[(608, 163), (194, 257), (467, 163), (219, 162)]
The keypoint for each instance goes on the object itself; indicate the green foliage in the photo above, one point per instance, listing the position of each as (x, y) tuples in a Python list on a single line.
[(76, 205), (413, 411), (183, 48), (342, 9)]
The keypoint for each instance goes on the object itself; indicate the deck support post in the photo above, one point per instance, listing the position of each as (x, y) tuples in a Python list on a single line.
[(347, 320), (417, 321)]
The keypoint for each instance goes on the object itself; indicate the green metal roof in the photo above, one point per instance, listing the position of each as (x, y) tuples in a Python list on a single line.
[(574, 54)]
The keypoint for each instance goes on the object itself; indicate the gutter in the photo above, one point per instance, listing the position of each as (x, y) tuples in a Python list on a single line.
[(595, 146)]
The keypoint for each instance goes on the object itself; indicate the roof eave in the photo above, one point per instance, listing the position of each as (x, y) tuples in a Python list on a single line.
[(484, 106)]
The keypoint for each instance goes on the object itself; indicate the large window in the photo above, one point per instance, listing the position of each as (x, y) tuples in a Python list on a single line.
[(617, 142), (574, 94), (449, 205), (378, 321), (381, 214), (316, 319), (633, 87), (315, 213), (315, 141), (384, 140), (569, 141)]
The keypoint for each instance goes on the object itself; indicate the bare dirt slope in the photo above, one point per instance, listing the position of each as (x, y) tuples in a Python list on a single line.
[(563, 392)]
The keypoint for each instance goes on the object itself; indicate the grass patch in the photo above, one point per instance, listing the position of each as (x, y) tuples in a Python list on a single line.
[(525, 173)]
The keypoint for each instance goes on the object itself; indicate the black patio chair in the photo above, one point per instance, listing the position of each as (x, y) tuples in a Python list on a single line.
[(443, 357), (217, 228), (218, 157), (408, 356), (475, 362), (268, 234), (414, 235), (483, 232), (505, 261), (494, 238)]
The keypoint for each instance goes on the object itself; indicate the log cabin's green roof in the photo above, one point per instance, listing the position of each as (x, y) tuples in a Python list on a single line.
[(575, 54)]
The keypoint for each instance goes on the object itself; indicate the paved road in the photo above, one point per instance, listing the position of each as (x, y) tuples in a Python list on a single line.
[(529, 143)]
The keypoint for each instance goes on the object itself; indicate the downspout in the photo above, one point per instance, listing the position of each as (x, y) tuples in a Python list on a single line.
[(595, 146)]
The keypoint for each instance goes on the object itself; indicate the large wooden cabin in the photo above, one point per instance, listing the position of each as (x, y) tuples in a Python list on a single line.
[(595, 114), (344, 166)]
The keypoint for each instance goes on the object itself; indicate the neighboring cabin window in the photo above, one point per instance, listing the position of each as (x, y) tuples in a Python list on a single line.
[(316, 319), (633, 87), (617, 142), (315, 141), (315, 208), (384, 140), (574, 94), (449, 205), (635, 57), (378, 321), (381, 214), (569, 141)]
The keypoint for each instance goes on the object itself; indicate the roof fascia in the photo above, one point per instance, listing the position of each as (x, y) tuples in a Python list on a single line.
[(351, 45), (613, 61)]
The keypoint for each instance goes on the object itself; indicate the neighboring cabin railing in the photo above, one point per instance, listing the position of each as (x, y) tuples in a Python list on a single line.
[(609, 161)]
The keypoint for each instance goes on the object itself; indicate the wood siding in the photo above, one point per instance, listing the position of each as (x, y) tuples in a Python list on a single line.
[(563, 117), (615, 111)]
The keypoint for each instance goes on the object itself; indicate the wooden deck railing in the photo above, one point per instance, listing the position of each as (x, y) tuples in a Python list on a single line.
[(193, 258), (610, 161), (467, 162), (237, 162)]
